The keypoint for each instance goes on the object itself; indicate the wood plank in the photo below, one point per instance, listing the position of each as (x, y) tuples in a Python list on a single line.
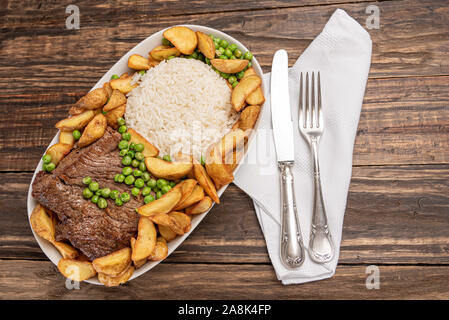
[(394, 215), (403, 120), (41, 280), (39, 55)]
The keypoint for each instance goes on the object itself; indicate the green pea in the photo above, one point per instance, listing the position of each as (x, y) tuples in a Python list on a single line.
[(237, 53), (172, 184), (225, 75), (203, 163), (221, 50), (50, 167), (232, 79), (223, 57), (125, 197), (148, 199), (232, 57), (135, 163), (121, 121), (240, 75), (165, 189), (155, 189), (171, 57), (87, 180), (232, 47), (235, 84), (217, 45), (194, 55), (94, 199), (152, 183), (121, 178), (135, 191), (131, 153), (212, 36), (129, 180), (98, 192), (248, 55), (94, 186), (122, 129), (105, 192), (127, 171), (139, 156), (228, 53), (139, 147), (116, 177), (142, 166), (146, 176), (46, 159), (158, 194), (139, 183), (146, 191), (250, 64), (126, 161), (207, 61), (114, 76), (142, 72), (76, 134), (114, 194), (123, 145), (166, 42), (224, 43), (123, 152), (161, 182), (126, 136), (166, 157), (102, 203), (137, 173), (118, 202), (132, 146), (87, 193), (201, 57)]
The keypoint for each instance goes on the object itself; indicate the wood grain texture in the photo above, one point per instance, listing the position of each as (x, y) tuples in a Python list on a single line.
[(394, 215), (403, 121), (41, 280)]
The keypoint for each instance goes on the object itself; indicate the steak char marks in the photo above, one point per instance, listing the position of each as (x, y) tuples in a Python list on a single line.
[(95, 232)]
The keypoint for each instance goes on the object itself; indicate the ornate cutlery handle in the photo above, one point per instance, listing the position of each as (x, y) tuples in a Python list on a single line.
[(292, 248), (321, 248)]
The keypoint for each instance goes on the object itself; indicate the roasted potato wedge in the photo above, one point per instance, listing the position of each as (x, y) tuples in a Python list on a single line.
[(167, 233), (217, 170), (76, 122), (206, 45), (182, 219), (74, 110), (200, 207), (183, 38), (229, 65), (137, 62), (160, 252), (149, 150), (109, 281), (58, 151), (43, 223), (93, 100), (123, 84), (163, 219), (137, 263), (249, 72), (186, 187), (248, 117), (163, 52), (234, 139), (256, 97), (245, 87), (113, 115), (153, 62), (205, 181), (94, 130), (196, 196), (237, 155), (66, 137), (116, 100), (66, 250), (114, 263), (166, 169), (146, 239), (76, 270), (162, 205), (108, 88)]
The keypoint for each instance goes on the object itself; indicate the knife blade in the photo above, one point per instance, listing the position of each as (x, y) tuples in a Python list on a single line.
[(280, 108)]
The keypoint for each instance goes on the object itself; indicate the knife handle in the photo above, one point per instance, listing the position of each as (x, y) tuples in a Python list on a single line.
[(292, 248)]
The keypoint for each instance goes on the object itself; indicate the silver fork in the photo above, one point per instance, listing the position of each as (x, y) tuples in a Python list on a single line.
[(311, 126)]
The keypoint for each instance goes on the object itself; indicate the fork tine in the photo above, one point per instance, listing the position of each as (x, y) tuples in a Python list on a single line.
[(306, 102), (313, 104), (319, 101)]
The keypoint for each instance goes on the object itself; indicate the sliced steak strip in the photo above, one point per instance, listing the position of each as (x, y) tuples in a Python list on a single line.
[(95, 232)]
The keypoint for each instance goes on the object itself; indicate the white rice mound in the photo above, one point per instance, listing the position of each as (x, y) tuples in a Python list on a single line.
[(181, 105)]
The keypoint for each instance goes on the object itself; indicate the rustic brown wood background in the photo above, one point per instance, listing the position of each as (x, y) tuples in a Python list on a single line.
[(398, 206)]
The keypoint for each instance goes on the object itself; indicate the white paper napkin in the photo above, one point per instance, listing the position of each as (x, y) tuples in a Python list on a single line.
[(342, 53)]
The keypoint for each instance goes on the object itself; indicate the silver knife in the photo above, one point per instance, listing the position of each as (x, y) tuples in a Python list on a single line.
[(292, 248)]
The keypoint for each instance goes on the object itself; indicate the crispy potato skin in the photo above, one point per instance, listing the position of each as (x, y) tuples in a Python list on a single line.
[(186, 187), (160, 251), (76, 270), (249, 72), (217, 170), (114, 263), (109, 281), (58, 151), (196, 196), (206, 45), (167, 170), (200, 207), (248, 117), (137, 62), (76, 122), (94, 130), (256, 98), (146, 239), (182, 219), (66, 250), (183, 38), (43, 223), (93, 100), (66, 137), (163, 52), (205, 181), (150, 150), (117, 99), (162, 205), (229, 66), (245, 87), (113, 115), (167, 233), (123, 84)]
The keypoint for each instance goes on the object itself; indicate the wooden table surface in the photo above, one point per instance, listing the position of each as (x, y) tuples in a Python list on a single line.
[(397, 215)]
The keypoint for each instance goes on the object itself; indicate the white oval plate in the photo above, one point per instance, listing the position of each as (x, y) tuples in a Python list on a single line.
[(143, 48)]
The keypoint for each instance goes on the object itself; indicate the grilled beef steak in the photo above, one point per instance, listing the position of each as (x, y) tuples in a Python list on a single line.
[(95, 232)]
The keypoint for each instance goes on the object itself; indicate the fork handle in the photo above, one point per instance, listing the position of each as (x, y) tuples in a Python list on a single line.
[(292, 248), (321, 248)]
